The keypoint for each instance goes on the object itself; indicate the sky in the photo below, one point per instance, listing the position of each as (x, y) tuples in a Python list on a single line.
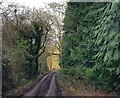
[(34, 3)]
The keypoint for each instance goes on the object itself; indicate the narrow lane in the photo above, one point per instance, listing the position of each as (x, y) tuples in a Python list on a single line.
[(46, 87), (52, 88)]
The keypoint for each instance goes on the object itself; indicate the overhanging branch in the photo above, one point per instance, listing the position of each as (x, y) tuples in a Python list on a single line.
[(41, 52), (45, 39), (43, 45)]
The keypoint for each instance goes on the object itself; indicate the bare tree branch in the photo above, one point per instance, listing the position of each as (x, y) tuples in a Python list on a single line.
[(41, 52), (45, 39)]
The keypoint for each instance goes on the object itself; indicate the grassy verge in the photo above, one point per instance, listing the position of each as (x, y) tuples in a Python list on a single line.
[(78, 86)]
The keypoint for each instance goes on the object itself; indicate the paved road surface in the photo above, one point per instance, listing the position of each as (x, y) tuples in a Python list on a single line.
[(46, 87)]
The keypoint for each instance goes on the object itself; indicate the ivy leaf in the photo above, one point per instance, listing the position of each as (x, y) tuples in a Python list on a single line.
[(118, 71), (116, 54)]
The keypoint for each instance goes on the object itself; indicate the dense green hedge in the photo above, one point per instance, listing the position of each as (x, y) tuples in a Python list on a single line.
[(92, 40)]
